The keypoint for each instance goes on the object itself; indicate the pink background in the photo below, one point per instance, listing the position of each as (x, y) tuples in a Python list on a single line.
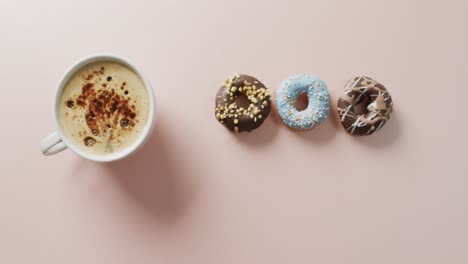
[(198, 194)]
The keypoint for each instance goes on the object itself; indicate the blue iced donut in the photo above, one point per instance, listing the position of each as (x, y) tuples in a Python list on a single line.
[(317, 109)]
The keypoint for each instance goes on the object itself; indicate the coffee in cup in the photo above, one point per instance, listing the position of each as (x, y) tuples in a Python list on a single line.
[(103, 107), (104, 110)]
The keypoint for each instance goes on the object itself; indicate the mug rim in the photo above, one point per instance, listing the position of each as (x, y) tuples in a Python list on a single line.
[(142, 138)]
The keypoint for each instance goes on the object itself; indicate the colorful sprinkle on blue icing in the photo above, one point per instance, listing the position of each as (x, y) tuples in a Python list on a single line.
[(319, 101)]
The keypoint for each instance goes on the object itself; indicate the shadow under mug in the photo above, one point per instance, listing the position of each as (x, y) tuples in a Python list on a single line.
[(57, 141)]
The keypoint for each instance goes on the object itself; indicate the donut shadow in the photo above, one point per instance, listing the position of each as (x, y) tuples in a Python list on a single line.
[(387, 135), (323, 133), (334, 117), (154, 180), (262, 135)]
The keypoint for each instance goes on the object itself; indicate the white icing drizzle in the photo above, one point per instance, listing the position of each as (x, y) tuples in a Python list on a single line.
[(378, 110)]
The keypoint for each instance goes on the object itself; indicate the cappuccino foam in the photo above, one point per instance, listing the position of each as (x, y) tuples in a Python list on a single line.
[(104, 108)]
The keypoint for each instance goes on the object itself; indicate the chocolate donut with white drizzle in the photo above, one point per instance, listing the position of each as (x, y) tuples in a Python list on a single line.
[(378, 106)]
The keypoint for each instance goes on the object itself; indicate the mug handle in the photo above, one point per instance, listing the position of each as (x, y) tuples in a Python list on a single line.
[(52, 144)]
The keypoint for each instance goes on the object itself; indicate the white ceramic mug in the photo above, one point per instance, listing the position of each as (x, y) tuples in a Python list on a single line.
[(57, 141)]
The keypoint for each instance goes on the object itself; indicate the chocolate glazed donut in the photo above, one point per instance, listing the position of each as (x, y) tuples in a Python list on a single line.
[(240, 116), (359, 90)]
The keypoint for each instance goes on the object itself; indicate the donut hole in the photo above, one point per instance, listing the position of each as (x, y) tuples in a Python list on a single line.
[(361, 107), (242, 101), (302, 102)]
